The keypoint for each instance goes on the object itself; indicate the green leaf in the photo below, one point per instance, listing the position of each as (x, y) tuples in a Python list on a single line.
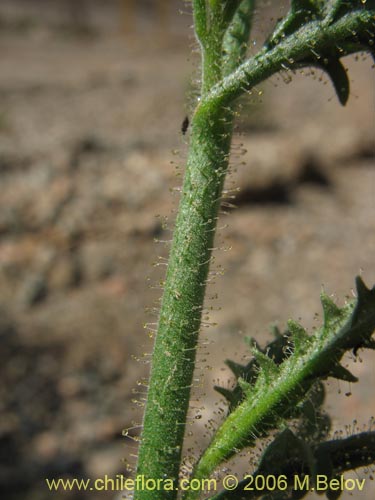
[(338, 8), (332, 314), (301, 12), (245, 386), (299, 336), (236, 38), (280, 388), (276, 350), (265, 363), (309, 6), (229, 9)]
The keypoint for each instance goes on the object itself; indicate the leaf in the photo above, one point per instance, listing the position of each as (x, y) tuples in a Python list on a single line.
[(330, 309), (314, 422), (317, 394), (333, 494), (237, 369), (235, 42), (276, 331), (309, 6), (366, 344), (251, 342), (341, 373), (332, 314), (336, 72), (339, 78), (338, 8), (284, 447), (276, 351), (280, 390), (360, 326), (227, 393), (289, 455), (366, 299), (229, 9), (265, 363), (245, 386), (299, 337), (301, 12)]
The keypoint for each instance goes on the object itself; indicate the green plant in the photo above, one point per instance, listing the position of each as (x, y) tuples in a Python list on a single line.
[(283, 381)]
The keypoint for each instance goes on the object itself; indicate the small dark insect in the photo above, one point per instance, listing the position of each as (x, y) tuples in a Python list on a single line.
[(185, 125)]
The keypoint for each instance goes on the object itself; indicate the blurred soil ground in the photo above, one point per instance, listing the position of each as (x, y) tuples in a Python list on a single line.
[(90, 154)]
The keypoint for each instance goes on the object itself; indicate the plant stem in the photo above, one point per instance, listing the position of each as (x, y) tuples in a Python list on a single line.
[(180, 314), (173, 359)]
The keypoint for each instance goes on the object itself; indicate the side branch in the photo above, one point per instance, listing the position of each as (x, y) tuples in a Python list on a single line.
[(280, 387), (235, 43), (315, 38), (200, 20)]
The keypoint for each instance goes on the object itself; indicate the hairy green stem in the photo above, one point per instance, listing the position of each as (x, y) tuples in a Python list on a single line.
[(180, 315), (235, 43), (200, 20)]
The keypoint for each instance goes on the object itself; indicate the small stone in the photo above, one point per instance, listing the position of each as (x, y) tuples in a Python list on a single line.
[(65, 273), (35, 290), (46, 445)]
